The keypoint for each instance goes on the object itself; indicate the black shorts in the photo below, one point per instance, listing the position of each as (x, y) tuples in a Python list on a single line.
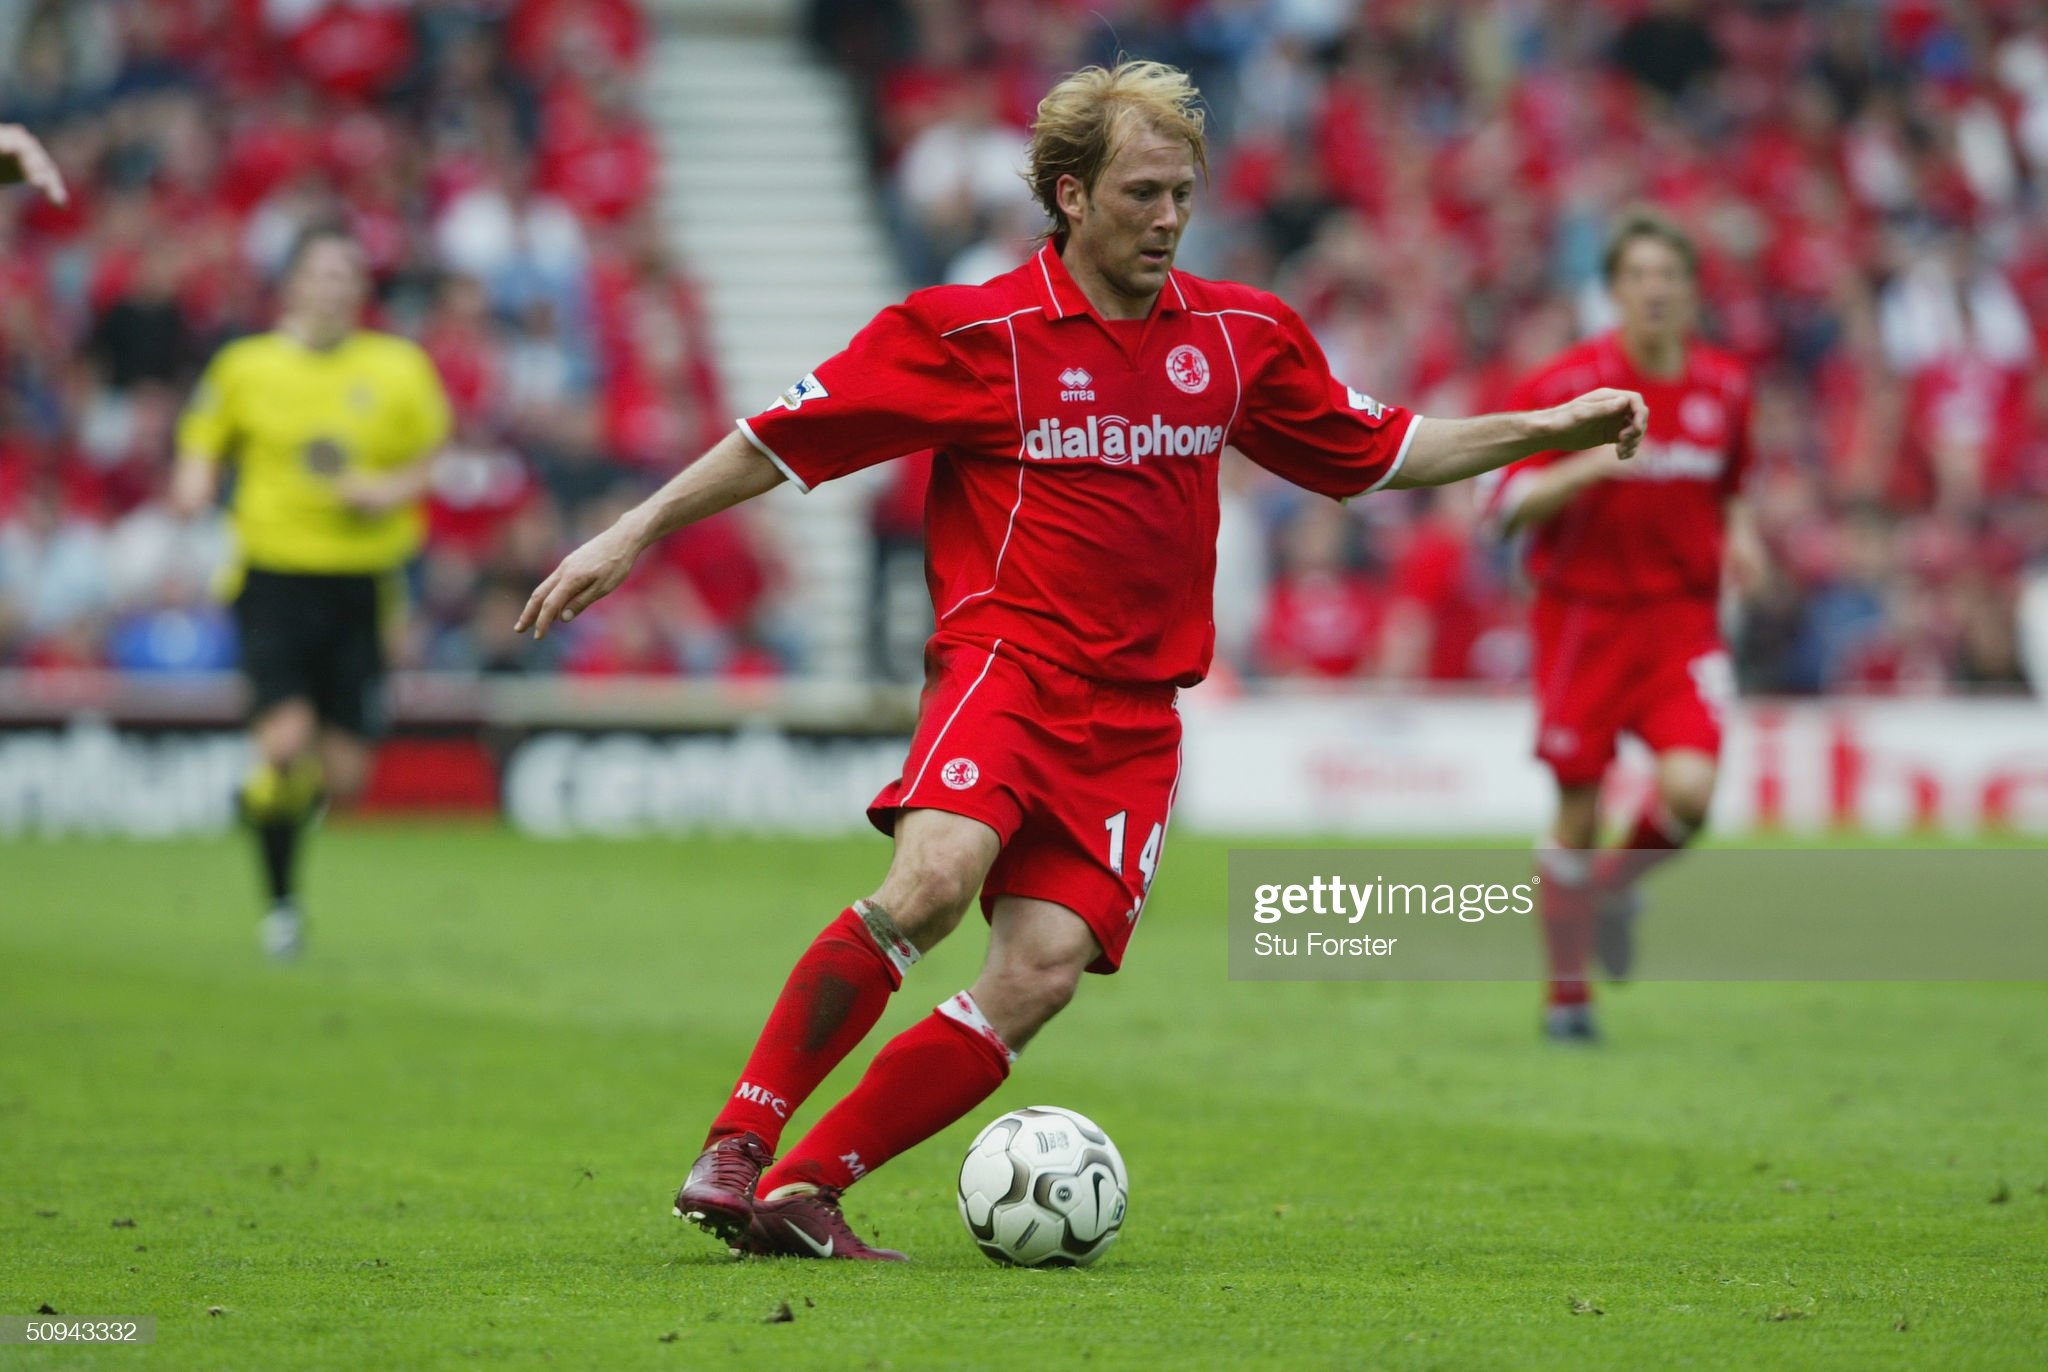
[(317, 638)]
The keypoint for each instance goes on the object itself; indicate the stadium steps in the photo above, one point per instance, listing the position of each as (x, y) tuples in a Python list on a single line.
[(765, 190)]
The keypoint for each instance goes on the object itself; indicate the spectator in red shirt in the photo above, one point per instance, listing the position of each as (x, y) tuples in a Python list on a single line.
[(1323, 616), (355, 49), (896, 522), (605, 171), (460, 339), (544, 33), (1438, 607)]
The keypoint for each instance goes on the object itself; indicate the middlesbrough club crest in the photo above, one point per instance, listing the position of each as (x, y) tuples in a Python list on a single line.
[(1701, 417), (1187, 369), (959, 774)]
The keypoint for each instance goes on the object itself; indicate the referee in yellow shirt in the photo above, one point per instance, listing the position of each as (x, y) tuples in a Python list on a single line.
[(330, 428)]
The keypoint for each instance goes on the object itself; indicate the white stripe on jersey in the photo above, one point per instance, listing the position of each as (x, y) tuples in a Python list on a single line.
[(1236, 375), (996, 573), (1212, 314), (1414, 423), (998, 319)]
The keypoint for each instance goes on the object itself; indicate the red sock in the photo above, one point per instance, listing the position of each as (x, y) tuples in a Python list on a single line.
[(923, 1079), (833, 997), (1567, 908), (1656, 837)]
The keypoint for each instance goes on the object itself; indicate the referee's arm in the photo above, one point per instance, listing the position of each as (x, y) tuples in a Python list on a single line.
[(195, 482), (428, 419), (205, 433)]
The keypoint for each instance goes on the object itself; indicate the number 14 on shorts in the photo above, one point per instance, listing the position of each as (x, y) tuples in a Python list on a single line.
[(1148, 856)]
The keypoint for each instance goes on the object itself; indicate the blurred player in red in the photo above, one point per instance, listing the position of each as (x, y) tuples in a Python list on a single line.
[(1078, 407), (1627, 561)]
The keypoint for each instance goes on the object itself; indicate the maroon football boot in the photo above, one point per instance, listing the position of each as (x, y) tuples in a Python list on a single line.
[(718, 1195), (802, 1221)]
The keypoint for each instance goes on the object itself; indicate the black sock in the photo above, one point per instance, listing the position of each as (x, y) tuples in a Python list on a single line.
[(278, 840)]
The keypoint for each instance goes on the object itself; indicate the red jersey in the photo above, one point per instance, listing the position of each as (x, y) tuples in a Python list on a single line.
[(1321, 624), (1655, 530), (1072, 512)]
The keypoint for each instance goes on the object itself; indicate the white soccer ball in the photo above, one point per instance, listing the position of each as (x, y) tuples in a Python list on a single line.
[(1043, 1187)]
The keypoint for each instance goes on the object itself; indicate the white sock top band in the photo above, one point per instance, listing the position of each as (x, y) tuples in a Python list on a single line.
[(962, 1010), (900, 951)]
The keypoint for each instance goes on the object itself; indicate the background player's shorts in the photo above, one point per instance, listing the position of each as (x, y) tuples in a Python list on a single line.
[(314, 637), (1075, 775), (1655, 669)]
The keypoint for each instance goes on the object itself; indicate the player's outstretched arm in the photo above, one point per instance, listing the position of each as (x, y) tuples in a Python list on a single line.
[(22, 158), (1447, 450), (1542, 494), (734, 470)]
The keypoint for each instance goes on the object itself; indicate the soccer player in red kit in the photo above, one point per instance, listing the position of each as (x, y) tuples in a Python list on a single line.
[(1078, 407), (1627, 561)]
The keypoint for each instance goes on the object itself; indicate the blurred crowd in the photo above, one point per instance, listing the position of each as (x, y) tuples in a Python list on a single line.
[(492, 158), (1430, 183)]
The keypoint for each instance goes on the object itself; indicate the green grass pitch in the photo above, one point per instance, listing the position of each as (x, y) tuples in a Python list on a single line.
[(449, 1139)]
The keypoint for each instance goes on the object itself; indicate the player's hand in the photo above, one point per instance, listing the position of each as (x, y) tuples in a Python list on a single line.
[(367, 495), (22, 158), (586, 576), (194, 483), (1748, 565), (1597, 418)]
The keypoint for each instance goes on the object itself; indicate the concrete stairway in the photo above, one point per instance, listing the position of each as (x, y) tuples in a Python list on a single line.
[(766, 192)]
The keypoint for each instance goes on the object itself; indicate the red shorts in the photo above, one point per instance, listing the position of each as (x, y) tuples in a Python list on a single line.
[(1655, 669), (1076, 776)]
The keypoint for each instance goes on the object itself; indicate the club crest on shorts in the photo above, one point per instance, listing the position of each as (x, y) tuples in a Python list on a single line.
[(1187, 369), (959, 774)]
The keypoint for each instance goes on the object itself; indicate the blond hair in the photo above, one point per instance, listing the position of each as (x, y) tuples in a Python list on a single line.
[(1085, 119)]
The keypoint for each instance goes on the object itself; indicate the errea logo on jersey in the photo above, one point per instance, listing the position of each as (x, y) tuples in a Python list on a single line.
[(1117, 441), (810, 388), (1076, 383)]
